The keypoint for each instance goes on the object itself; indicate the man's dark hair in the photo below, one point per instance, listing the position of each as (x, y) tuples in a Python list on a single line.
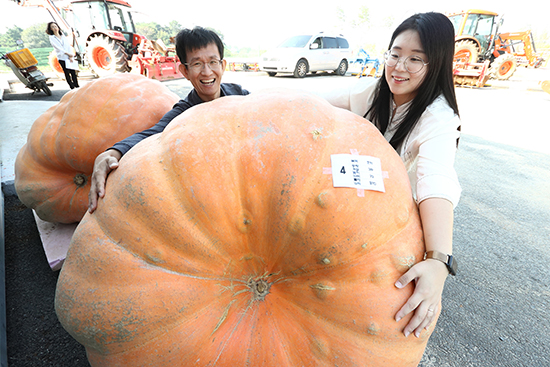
[(188, 40)]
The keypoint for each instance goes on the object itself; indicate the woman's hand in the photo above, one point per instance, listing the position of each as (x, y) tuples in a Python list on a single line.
[(429, 277), (103, 165)]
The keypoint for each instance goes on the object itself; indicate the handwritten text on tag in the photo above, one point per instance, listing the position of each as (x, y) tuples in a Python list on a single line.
[(357, 171)]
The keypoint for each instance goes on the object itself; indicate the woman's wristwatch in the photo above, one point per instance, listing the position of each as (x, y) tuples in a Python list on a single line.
[(448, 260)]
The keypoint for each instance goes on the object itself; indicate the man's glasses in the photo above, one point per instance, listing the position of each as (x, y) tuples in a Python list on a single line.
[(198, 66), (413, 64)]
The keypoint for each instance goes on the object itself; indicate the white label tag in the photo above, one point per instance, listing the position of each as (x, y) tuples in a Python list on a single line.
[(357, 171)]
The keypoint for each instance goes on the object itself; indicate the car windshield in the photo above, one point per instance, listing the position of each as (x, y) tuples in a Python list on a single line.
[(296, 41)]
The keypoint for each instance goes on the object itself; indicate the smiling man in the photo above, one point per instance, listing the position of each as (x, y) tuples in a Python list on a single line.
[(201, 54)]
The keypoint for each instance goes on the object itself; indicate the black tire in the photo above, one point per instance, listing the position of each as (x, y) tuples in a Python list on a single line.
[(45, 88), (106, 56), (466, 51), (271, 73), (503, 67), (342, 68), (301, 69)]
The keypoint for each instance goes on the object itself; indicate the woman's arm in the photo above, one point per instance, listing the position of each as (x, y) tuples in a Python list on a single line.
[(59, 46), (436, 215)]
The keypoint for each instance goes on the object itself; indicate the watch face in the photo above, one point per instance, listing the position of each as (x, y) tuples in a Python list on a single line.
[(452, 265)]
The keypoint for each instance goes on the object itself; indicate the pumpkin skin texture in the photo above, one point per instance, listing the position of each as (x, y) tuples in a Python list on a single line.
[(53, 169), (221, 242)]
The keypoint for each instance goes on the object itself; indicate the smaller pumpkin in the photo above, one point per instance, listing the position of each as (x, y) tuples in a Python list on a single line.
[(52, 170)]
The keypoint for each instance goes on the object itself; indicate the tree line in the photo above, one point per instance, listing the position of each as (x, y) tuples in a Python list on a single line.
[(35, 36)]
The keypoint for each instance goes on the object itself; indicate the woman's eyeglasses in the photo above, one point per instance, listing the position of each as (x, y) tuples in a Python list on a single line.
[(413, 64)]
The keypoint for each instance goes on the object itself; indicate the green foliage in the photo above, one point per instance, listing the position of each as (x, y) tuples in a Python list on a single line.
[(10, 38), (360, 19), (154, 31), (363, 18), (243, 53), (35, 36), (542, 40)]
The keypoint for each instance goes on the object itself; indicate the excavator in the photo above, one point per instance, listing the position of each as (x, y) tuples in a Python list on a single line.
[(104, 38), (482, 52)]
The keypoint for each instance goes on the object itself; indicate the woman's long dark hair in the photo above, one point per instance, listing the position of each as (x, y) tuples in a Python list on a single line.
[(437, 36), (49, 28)]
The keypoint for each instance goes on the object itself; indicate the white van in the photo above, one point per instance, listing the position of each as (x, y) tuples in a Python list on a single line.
[(308, 53)]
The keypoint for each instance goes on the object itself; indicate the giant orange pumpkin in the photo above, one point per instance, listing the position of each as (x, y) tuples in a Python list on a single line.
[(53, 168), (222, 242)]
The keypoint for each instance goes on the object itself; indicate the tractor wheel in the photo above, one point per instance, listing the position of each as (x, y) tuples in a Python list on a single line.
[(106, 56), (503, 67), (56, 67), (466, 51)]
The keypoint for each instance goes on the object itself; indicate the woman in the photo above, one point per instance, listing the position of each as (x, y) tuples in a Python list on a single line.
[(414, 106), (63, 51)]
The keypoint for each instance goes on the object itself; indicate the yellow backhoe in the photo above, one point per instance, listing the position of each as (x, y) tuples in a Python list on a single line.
[(482, 52)]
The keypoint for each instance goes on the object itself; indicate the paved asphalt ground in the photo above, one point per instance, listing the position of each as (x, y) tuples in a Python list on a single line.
[(496, 312)]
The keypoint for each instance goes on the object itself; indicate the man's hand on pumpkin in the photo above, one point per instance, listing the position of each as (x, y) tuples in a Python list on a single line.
[(103, 165)]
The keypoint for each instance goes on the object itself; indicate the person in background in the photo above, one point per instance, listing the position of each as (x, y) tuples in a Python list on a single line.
[(414, 106), (201, 54), (63, 51)]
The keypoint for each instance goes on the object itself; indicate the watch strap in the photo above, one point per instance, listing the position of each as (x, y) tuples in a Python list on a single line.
[(448, 260)]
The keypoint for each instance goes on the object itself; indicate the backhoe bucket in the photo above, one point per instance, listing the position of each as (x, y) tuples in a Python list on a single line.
[(471, 74)]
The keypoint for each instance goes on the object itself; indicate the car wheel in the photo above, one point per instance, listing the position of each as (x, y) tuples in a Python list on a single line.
[(271, 73), (342, 68), (301, 69)]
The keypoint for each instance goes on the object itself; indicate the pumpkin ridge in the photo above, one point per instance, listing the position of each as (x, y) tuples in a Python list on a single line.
[(174, 322), (235, 327), (180, 185), (329, 324), (303, 200), (142, 258), (186, 212)]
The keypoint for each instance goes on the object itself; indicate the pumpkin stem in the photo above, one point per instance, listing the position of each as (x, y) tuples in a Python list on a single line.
[(80, 179), (260, 288)]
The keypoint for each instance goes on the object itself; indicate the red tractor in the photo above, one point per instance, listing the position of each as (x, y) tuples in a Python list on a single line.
[(479, 42), (105, 40)]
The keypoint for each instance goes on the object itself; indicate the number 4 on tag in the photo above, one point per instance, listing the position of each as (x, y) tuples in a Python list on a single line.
[(357, 171)]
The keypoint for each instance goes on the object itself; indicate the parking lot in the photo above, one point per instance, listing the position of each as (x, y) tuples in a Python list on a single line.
[(496, 311)]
